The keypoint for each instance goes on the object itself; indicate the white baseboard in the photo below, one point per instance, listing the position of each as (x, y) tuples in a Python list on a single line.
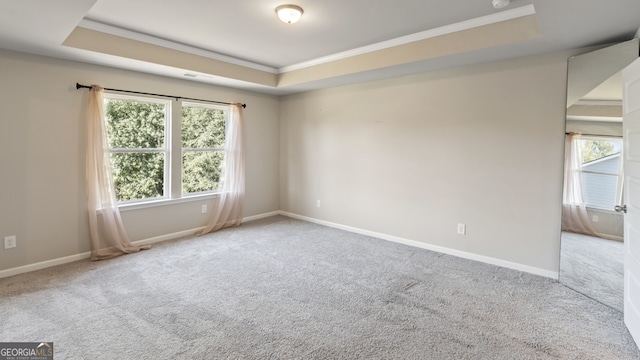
[(87, 255), (462, 254), (611, 237), (43, 265), (167, 237), (83, 256), (190, 232), (177, 235), (260, 216)]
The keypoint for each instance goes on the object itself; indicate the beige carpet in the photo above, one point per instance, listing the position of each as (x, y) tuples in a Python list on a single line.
[(285, 289)]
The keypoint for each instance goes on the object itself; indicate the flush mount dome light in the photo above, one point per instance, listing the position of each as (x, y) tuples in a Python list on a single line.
[(289, 14)]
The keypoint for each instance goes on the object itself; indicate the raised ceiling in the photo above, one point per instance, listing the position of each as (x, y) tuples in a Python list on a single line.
[(251, 31), (242, 44)]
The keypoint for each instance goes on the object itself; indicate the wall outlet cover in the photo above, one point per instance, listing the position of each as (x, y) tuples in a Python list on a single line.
[(9, 242)]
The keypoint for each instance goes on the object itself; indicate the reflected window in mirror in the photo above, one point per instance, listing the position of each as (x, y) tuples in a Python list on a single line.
[(601, 171), (592, 255)]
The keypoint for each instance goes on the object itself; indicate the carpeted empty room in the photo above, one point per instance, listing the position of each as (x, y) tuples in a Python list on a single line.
[(280, 288)]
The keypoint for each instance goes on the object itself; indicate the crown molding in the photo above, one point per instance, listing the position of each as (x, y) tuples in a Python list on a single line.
[(494, 18), (443, 30)]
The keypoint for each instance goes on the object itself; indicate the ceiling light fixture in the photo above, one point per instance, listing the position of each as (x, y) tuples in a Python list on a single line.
[(289, 14), (499, 4)]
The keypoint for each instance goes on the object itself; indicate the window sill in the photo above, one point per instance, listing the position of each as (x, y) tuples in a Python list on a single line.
[(166, 202)]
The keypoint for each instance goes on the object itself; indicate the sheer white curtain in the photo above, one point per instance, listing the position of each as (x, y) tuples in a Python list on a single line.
[(574, 212), (108, 236), (229, 203)]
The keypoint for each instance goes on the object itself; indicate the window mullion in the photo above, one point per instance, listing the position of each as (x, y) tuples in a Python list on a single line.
[(175, 143), (203, 149), (137, 150), (599, 173)]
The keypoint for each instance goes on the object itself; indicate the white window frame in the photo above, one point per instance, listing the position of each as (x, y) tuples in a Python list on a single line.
[(173, 151), (620, 174), (224, 149)]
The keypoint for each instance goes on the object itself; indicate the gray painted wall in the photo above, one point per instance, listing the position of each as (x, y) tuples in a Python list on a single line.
[(411, 157), (42, 139)]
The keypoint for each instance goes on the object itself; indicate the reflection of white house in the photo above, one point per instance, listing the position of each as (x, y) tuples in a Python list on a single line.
[(600, 182)]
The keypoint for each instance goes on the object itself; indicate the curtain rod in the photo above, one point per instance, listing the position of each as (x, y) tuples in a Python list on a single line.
[(600, 135), (80, 86)]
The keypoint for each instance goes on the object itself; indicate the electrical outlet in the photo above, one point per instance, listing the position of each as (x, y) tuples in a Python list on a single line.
[(9, 242), (594, 218), (462, 229), (204, 209), (317, 203)]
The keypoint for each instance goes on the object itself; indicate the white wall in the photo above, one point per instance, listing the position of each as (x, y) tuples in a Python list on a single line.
[(42, 190), (411, 157)]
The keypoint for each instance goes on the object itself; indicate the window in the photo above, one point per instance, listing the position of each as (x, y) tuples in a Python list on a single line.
[(203, 147), (602, 172), (147, 160)]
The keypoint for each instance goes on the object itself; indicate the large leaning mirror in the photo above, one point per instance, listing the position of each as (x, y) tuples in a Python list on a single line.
[(591, 256)]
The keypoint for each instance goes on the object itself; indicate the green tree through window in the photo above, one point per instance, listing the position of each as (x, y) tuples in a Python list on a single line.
[(136, 135), (203, 142), (596, 149), (140, 149)]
